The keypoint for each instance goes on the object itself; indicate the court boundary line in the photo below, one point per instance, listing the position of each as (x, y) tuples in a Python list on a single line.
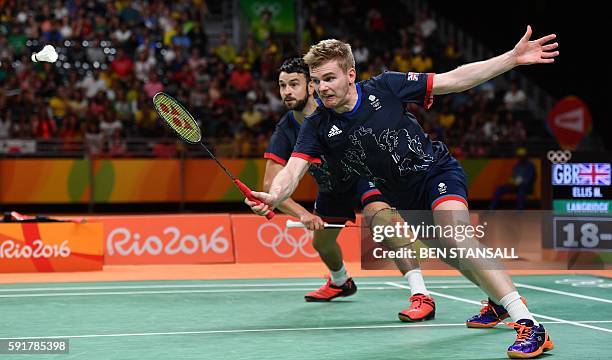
[(173, 286), (238, 331), (534, 314), (209, 291), (561, 292)]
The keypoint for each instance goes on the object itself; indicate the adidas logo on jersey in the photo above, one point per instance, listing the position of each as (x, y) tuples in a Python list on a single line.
[(334, 131)]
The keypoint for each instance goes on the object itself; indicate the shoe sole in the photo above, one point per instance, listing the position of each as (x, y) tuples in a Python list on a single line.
[(547, 346), (406, 318), (474, 325), (314, 299), (481, 325)]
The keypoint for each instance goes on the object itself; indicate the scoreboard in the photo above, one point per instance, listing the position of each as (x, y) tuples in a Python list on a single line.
[(577, 188)]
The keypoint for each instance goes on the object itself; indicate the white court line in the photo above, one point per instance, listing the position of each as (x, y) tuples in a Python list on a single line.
[(534, 314), (189, 286), (559, 292), (59, 294), (238, 331)]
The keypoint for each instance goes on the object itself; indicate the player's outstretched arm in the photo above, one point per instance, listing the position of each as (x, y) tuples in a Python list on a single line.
[(525, 52), (282, 187)]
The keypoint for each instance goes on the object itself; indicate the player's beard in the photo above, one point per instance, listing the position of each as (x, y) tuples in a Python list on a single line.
[(299, 104)]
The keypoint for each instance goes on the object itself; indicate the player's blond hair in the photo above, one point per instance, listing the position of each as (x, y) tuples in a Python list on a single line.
[(330, 49)]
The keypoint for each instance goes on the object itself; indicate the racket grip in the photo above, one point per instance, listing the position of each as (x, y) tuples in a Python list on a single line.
[(249, 195), (294, 224), (290, 224)]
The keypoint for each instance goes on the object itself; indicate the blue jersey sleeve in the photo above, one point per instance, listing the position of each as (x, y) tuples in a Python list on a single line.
[(409, 87), (280, 147), (308, 146)]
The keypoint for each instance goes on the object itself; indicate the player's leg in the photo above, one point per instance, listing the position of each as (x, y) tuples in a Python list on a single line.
[(422, 305), (375, 210), (450, 209), (332, 208), (324, 242), (532, 339)]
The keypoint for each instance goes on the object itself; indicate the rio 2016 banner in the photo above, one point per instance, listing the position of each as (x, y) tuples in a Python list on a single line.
[(112, 181), (50, 247), (168, 239)]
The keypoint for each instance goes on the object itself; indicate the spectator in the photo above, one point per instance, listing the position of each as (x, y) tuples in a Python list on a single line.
[(421, 62), (225, 51), (116, 144), (251, 117), (144, 64), (71, 133), (122, 34), (128, 51), (515, 99), (59, 104), (92, 84), (77, 104), (43, 126), (521, 183), (94, 140), (152, 86), (122, 65), (241, 78), (360, 53), (426, 25), (262, 28), (6, 123), (110, 124)]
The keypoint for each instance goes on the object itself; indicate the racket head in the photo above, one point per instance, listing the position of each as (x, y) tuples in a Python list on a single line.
[(177, 118)]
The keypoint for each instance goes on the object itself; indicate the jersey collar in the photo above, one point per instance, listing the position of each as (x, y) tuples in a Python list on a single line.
[(295, 122), (359, 96)]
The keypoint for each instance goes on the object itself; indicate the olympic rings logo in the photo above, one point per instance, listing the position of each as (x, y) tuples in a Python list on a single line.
[(282, 243), (559, 156)]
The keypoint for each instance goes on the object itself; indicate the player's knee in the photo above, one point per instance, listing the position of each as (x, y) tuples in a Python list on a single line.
[(382, 217)]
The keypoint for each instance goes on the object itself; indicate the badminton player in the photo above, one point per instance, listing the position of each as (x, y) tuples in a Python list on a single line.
[(364, 126), (337, 197)]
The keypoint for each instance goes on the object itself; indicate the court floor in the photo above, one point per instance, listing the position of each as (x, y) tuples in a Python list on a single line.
[(268, 319)]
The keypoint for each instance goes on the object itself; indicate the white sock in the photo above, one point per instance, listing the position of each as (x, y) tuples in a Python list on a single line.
[(516, 308), (416, 282), (339, 277)]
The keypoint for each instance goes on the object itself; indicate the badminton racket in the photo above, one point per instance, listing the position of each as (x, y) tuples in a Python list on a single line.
[(184, 125)]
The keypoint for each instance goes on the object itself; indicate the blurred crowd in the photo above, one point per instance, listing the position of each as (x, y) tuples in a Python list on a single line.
[(115, 55)]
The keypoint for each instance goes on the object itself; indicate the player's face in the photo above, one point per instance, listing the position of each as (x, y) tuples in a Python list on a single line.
[(293, 90), (332, 83)]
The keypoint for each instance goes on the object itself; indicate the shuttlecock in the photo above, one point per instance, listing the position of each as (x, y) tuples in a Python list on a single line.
[(47, 54)]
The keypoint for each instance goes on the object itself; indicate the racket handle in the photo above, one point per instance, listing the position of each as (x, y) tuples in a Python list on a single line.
[(290, 224), (293, 224), (249, 195)]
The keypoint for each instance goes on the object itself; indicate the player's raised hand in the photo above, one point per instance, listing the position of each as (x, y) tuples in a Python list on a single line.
[(538, 51)]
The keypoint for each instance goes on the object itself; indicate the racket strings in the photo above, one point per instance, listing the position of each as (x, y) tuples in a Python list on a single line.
[(178, 118)]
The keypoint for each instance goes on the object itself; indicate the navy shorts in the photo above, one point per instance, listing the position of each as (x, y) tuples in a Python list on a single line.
[(444, 181), (335, 207)]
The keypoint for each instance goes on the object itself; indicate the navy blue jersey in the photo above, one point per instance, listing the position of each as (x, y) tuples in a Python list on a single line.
[(378, 139), (280, 149)]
